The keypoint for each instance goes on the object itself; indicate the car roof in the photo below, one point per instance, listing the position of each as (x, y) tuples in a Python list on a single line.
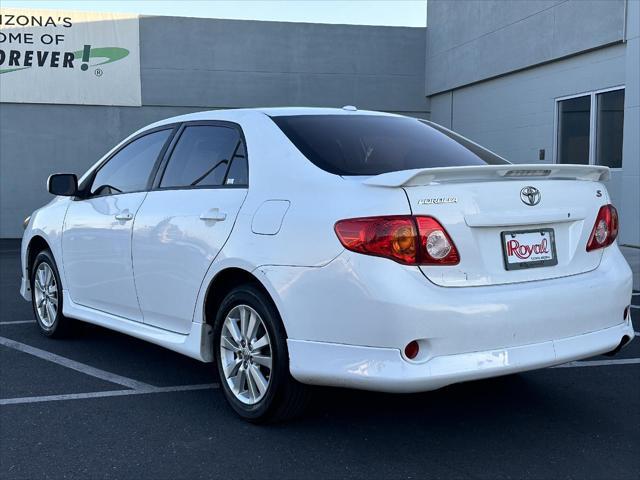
[(239, 113), (289, 111)]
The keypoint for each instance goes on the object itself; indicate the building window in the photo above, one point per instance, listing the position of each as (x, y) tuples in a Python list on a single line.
[(574, 120), (590, 128), (609, 127)]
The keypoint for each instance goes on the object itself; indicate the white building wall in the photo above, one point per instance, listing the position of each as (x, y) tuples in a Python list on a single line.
[(472, 40), (630, 181), (514, 115), (494, 69)]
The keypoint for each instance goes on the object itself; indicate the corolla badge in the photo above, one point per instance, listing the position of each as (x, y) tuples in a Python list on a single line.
[(437, 200), (530, 196)]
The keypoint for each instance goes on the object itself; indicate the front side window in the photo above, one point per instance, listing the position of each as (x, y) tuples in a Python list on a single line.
[(372, 144), (202, 156), (130, 168), (590, 129)]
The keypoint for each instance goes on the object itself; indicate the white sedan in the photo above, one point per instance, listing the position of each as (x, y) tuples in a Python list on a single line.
[(331, 247)]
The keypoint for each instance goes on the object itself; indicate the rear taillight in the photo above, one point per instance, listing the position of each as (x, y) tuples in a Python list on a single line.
[(410, 240), (436, 245), (605, 230), (391, 237)]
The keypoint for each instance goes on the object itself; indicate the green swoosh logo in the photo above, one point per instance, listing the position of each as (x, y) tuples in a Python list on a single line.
[(7, 70), (112, 54)]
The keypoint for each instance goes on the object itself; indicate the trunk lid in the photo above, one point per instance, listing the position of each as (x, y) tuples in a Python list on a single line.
[(482, 210)]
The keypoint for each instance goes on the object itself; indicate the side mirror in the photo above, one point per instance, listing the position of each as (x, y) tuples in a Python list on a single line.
[(63, 184)]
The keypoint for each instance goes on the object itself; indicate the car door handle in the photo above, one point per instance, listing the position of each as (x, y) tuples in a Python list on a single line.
[(124, 216), (213, 215)]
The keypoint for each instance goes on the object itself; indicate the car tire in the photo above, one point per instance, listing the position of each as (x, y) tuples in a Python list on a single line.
[(46, 296), (248, 336)]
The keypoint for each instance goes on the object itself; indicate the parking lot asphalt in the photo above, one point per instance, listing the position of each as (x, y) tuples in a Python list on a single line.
[(102, 405)]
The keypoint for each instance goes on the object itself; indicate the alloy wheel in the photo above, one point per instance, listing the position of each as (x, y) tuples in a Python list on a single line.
[(246, 354), (46, 294)]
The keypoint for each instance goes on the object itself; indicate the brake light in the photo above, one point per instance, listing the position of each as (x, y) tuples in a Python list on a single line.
[(406, 239), (605, 230)]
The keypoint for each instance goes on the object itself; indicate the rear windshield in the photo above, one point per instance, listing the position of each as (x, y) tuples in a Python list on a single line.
[(371, 145)]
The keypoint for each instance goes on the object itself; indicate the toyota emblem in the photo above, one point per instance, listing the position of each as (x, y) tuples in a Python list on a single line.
[(530, 196)]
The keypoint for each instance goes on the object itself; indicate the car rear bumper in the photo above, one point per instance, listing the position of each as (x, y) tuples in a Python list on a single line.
[(349, 321), (375, 302), (386, 370)]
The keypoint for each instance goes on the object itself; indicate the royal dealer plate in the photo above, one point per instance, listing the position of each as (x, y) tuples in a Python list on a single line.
[(529, 248)]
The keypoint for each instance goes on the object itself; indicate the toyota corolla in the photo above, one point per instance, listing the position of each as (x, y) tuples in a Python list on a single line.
[(331, 247)]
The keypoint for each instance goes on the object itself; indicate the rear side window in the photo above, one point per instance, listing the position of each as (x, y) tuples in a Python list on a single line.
[(238, 171), (371, 145), (130, 168), (202, 156)]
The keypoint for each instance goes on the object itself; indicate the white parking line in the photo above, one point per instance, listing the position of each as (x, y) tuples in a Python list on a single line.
[(72, 364), (599, 363), (141, 388), (17, 322), (109, 393)]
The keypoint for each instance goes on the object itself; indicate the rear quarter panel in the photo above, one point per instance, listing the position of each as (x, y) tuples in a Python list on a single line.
[(317, 199)]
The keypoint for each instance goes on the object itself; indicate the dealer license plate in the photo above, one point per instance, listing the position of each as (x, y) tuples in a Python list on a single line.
[(529, 249)]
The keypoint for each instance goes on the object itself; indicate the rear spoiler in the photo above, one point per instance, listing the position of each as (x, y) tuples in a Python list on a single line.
[(488, 173)]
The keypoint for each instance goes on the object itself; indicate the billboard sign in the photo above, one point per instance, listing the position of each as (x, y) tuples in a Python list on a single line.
[(54, 56)]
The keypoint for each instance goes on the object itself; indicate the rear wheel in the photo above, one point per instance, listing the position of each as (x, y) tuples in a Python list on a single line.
[(252, 358), (46, 296)]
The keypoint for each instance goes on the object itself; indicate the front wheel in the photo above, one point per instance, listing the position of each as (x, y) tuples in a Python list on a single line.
[(252, 358), (46, 296)]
